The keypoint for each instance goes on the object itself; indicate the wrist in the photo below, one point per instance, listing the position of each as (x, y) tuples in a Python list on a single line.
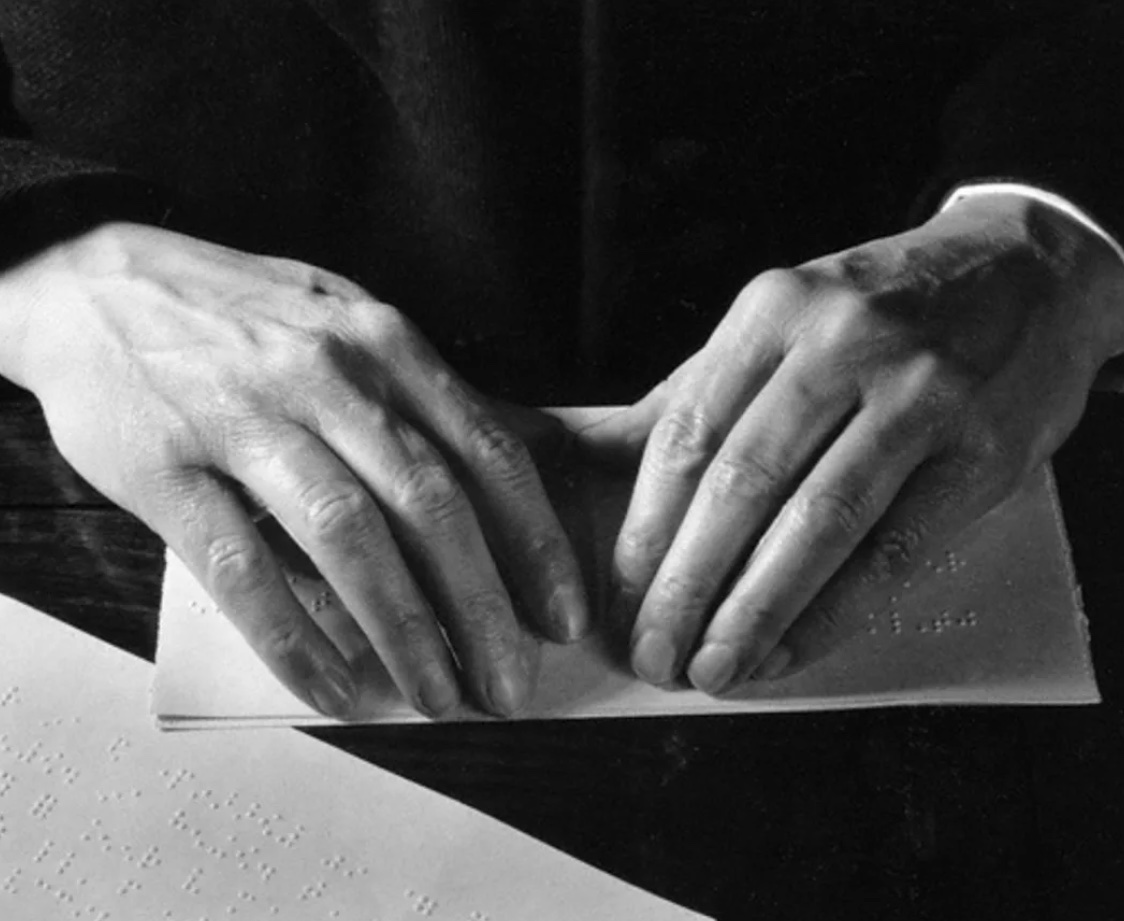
[(1080, 275), (36, 294), (20, 292)]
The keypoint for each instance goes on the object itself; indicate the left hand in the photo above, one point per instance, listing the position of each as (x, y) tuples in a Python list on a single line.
[(844, 421)]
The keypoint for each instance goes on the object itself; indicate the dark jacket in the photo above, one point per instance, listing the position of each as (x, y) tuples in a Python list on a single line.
[(565, 194)]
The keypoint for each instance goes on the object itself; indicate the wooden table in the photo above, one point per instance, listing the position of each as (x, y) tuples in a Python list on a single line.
[(974, 813)]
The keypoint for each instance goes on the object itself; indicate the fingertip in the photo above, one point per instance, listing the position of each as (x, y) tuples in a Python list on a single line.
[(714, 668), (509, 687), (813, 637), (437, 694), (568, 614), (777, 664), (655, 658), (333, 692), (506, 693)]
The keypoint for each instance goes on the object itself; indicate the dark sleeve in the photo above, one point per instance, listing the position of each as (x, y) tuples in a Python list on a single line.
[(46, 197), (1048, 110)]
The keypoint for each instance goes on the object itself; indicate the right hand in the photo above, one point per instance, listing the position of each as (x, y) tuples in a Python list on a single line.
[(174, 373)]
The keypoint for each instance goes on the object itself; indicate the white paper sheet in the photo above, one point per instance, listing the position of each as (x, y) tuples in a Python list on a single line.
[(104, 818), (995, 619)]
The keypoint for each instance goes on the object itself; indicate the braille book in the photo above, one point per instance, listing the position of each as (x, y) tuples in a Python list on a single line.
[(993, 619), (105, 818)]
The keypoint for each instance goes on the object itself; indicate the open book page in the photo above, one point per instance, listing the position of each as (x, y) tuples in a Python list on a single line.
[(103, 817)]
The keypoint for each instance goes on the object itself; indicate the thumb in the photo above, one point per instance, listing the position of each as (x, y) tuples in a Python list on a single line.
[(618, 435)]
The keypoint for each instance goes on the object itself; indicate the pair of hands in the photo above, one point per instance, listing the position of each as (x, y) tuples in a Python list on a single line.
[(846, 418)]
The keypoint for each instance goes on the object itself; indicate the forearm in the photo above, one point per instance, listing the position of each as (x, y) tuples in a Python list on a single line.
[(1082, 264)]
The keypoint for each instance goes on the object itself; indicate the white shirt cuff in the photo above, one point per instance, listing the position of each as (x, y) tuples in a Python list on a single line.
[(1041, 195)]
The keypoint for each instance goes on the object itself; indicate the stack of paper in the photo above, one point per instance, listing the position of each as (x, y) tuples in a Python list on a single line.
[(994, 619)]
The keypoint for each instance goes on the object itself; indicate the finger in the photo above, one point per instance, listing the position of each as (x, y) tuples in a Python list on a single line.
[(206, 526), (508, 494), (336, 521), (712, 392), (759, 464), (433, 521), (341, 628), (834, 508), (938, 502), (618, 438)]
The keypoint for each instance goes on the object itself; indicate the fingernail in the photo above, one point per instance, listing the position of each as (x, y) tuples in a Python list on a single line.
[(713, 668), (653, 657), (569, 613), (507, 692), (437, 694), (775, 663), (334, 693)]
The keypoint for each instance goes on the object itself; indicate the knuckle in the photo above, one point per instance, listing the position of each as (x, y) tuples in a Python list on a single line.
[(485, 606), (929, 397), (685, 442), (405, 623), (335, 512), (236, 564), (385, 325), (846, 514), (774, 285), (499, 451), (925, 376), (744, 478), (430, 489), (107, 249), (895, 552), (636, 546), (282, 643), (451, 388), (842, 322), (685, 594), (763, 620), (487, 616), (547, 546)]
